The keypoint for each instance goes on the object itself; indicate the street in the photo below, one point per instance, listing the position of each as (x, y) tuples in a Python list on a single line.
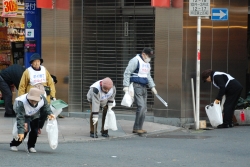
[(203, 148)]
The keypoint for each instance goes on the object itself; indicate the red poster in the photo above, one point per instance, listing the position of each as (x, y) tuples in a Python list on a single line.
[(44, 4), (160, 3), (62, 4)]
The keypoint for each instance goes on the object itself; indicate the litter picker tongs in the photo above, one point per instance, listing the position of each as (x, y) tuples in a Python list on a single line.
[(163, 102), (25, 147)]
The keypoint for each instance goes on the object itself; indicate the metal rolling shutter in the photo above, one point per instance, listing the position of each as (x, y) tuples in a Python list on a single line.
[(113, 33)]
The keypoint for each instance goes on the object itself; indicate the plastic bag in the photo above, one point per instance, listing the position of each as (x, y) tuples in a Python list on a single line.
[(131, 90), (15, 131), (56, 112), (110, 121), (127, 100), (52, 130), (214, 114)]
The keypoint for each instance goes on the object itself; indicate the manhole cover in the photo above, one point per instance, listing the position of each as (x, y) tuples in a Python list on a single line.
[(178, 136)]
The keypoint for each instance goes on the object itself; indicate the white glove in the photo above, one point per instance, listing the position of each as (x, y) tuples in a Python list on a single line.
[(154, 90), (94, 120), (54, 99), (125, 89)]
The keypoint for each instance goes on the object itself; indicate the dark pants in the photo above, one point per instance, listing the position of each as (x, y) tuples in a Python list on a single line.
[(7, 96), (141, 102), (34, 124), (93, 128), (232, 97)]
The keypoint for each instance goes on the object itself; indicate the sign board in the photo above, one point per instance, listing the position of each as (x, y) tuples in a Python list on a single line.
[(219, 14), (199, 7)]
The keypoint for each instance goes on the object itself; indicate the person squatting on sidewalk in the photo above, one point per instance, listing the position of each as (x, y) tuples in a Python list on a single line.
[(227, 86), (10, 76), (101, 94), (29, 108), (138, 72)]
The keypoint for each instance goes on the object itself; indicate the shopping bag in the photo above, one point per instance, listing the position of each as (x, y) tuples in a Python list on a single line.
[(15, 131), (52, 130), (110, 121), (214, 114), (56, 112)]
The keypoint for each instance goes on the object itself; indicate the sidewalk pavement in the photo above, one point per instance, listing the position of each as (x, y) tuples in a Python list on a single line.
[(76, 129)]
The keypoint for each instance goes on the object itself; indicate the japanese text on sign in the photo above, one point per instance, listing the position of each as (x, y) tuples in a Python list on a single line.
[(30, 8), (199, 7), (9, 8)]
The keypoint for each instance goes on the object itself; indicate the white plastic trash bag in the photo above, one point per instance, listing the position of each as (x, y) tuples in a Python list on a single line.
[(56, 112), (131, 90), (110, 121), (127, 100), (214, 114), (52, 130), (15, 131)]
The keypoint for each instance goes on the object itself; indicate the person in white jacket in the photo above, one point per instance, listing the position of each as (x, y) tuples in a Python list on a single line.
[(138, 72), (100, 95)]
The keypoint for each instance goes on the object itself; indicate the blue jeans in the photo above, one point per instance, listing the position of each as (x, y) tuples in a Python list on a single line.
[(140, 95)]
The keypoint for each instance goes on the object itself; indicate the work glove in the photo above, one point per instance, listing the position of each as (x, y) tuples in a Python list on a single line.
[(125, 89), (51, 116), (217, 101), (94, 120), (21, 137), (53, 98), (154, 90)]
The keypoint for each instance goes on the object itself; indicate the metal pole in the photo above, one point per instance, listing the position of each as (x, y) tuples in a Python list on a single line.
[(193, 98), (198, 74)]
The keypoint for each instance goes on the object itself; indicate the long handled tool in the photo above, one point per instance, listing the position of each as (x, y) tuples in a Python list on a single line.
[(25, 147), (163, 102)]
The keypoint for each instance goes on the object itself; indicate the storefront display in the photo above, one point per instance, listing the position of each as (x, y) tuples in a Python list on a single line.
[(12, 33)]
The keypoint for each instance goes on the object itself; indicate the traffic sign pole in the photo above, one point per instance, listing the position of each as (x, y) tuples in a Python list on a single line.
[(198, 8), (198, 73)]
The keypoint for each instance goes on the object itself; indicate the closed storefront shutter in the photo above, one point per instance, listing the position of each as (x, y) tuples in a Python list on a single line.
[(112, 33)]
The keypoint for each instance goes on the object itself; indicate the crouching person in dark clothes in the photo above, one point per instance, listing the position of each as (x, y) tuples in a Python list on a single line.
[(101, 94), (29, 108), (227, 86)]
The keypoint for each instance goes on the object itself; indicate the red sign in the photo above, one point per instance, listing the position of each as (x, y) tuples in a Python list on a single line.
[(62, 4), (44, 4), (160, 3), (10, 8)]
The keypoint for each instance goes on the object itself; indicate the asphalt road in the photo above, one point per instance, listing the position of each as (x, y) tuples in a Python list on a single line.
[(209, 148)]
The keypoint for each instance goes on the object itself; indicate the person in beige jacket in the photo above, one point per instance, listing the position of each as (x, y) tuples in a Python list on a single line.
[(37, 76)]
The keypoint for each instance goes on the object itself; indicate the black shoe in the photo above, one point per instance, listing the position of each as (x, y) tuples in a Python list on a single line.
[(13, 115), (105, 135), (93, 136), (231, 125), (223, 126)]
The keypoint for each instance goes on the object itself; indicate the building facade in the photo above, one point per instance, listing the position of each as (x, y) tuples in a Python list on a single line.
[(96, 39)]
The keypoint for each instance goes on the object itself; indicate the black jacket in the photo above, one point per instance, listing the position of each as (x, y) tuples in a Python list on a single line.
[(220, 80), (13, 74)]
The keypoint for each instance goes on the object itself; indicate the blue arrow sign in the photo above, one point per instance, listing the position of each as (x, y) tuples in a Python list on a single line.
[(219, 14)]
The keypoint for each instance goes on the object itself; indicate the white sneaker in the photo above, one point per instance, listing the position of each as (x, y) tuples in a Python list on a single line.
[(32, 150), (13, 148)]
